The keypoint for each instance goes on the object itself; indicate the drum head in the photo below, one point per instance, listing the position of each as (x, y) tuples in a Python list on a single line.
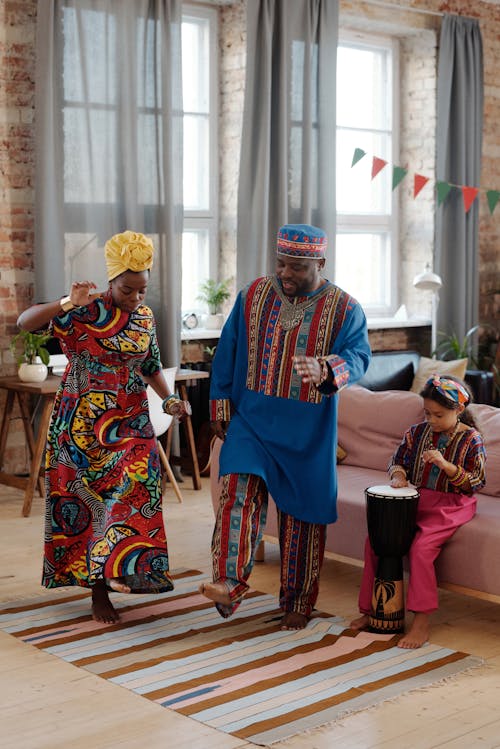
[(391, 492)]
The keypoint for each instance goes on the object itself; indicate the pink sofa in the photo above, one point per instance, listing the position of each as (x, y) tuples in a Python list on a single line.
[(370, 427)]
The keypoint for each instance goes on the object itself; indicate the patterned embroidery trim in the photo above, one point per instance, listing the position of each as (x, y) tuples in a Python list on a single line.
[(220, 409)]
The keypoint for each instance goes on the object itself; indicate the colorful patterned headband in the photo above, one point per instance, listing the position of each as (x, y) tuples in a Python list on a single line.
[(302, 240), (449, 389)]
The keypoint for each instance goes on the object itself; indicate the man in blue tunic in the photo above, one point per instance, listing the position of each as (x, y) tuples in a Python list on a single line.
[(291, 342)]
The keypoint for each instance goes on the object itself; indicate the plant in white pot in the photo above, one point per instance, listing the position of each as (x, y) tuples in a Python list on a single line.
[(34, 357), (214, 294)]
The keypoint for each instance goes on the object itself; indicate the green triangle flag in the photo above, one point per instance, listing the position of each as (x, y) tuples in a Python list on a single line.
[(493, 196), (443, 188), (398, 173), (358, 155)]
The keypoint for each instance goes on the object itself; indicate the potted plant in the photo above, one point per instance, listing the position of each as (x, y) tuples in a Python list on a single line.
[(214, 294), (34, 357)]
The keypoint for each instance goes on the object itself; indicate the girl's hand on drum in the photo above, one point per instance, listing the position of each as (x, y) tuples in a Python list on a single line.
[(398, 481)]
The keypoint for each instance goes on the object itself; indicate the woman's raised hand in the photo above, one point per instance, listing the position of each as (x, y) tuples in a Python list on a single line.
[(82, 294)]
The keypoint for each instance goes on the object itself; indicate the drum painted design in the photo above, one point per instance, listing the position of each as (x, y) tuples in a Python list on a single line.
[(391, 518)]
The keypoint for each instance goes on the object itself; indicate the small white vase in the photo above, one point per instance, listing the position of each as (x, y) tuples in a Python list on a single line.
[(33, 372)]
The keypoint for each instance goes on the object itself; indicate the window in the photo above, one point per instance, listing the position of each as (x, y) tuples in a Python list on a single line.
[(199, 90), (366, 243)]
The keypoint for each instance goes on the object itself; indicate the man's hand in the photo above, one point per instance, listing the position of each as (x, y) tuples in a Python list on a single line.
[(220, 428), (308, 368)]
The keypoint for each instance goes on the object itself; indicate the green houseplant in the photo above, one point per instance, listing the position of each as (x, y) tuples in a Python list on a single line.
[(27, 346), (214, 294)]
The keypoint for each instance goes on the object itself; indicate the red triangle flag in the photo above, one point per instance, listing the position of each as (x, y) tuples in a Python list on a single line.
[(469, 195), (377, 166), (419, 181)]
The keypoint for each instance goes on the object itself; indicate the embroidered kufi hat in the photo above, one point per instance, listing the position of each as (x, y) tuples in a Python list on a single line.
[(128, 251), (302, 240)]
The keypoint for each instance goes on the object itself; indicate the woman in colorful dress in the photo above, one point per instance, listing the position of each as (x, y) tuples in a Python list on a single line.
[(104, 526)]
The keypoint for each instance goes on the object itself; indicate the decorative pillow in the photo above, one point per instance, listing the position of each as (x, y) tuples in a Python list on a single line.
[(341, 454), (428, 367)]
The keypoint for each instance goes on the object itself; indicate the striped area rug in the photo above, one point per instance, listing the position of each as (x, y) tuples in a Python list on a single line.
[(243, 676)]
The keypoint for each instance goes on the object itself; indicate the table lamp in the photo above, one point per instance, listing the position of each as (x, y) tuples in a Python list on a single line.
[(429, 281)]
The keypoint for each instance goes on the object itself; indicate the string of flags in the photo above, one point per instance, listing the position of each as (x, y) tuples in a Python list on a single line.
[(443, 189)]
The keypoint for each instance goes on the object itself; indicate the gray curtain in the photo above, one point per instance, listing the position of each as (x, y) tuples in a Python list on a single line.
[(287, 167), (459, 138), (109, 145)]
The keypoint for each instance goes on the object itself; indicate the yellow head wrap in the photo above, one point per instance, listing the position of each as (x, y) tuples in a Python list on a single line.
[(128, 251)]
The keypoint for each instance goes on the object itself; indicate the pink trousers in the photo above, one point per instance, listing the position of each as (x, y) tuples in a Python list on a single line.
[(439, 515)]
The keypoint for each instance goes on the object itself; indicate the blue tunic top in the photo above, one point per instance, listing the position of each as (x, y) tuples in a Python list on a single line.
[(280, 428)]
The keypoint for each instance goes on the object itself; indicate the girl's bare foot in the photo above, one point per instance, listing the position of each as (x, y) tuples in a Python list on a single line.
[(360, 623), (102, 608), (294, 620), (216, 592), (418, 633)]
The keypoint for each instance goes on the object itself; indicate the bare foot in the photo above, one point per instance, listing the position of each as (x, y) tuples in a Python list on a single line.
[(360, 623), (293, 620), (217, 592), (117, 584), (102, 608), (418, 633)]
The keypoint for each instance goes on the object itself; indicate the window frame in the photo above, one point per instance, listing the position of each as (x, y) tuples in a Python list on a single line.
[(208, 219), (356, 223)]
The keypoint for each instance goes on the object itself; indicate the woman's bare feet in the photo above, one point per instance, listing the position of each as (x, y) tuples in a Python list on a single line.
[(294, 620), (102, 608), (360, 623), (216, 592), (418, 632)]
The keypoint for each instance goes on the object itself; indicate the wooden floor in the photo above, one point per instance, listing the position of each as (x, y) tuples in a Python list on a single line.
[(46, 702)]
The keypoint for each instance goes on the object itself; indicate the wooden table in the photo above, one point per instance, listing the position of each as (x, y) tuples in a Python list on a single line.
[(18, 390), (45, 391)]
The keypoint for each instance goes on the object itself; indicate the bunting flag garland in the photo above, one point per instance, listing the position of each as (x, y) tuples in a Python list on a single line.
[(443, 189), (377, 165), (469, 196), (358, 155), (492, 196), (419, 182), (398, 174)]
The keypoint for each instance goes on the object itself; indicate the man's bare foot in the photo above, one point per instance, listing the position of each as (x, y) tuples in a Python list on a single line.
[(418, 633), (117, 584), (216, 592), (102, 608), (360, 623), (294, 620)]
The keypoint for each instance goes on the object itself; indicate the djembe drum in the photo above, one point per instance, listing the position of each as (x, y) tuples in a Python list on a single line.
[(391, 518)]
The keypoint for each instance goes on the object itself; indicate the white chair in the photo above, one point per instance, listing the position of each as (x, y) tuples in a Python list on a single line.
[(161, 423)]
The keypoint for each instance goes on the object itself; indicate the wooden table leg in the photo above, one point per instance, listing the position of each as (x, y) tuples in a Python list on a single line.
[(30, 437), (37, 455), (188, 426), (7, 412)]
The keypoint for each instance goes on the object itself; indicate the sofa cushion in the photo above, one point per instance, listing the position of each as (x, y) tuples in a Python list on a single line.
[(487, 419), (428, 367), (371, 424)]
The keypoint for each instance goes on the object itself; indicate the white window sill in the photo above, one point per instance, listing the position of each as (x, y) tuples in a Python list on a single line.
[(379, 323), (198, 334)]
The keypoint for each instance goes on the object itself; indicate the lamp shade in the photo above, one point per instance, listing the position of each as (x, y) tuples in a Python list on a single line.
[(427, 281)]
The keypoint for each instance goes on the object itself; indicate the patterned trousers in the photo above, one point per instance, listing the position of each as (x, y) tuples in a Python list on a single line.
[(241, 516)]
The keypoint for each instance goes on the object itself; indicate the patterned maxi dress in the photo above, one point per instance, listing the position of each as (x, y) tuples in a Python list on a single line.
[(103, 513)]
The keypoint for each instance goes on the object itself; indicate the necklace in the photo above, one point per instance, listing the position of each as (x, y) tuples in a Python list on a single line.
[(292, 313), (429, 445)]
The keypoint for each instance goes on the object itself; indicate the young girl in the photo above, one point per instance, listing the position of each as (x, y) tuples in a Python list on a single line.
[(444, 458)]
